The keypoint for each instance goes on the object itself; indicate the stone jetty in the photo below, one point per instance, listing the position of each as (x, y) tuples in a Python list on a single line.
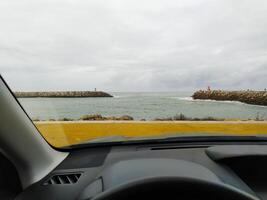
[(62, 94), (249, 96)]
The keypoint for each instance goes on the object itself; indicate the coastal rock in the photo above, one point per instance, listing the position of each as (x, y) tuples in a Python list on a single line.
[(98, 117), (125, 117), (91, 117), (64, 119), (62, 94), (182, 117), (249, 97)]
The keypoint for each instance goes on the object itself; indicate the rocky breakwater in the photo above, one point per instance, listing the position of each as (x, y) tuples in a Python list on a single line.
[(249, 97), (62, 94)]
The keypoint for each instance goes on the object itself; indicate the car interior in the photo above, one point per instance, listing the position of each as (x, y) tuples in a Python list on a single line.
[(200, 168)]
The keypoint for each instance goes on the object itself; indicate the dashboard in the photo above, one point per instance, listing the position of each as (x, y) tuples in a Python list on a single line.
[(95, 173)]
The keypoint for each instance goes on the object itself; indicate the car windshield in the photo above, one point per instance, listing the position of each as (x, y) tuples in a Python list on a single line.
[(103, 71)]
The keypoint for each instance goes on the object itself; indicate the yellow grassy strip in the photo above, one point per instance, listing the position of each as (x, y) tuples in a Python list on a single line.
[(65, 133)]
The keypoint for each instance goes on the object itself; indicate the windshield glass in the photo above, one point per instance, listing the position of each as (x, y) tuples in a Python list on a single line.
[(102, 71)]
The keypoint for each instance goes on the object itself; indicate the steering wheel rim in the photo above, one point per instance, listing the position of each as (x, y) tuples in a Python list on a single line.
[(124, 190)]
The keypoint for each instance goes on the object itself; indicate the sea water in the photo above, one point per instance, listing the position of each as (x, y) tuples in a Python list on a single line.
[(145, 105)]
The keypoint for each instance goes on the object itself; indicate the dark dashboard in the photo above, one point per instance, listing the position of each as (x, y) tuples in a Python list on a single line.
[(94, 173)]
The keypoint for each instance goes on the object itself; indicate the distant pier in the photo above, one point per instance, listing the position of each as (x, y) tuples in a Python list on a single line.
[(62, 94), (249, 97)]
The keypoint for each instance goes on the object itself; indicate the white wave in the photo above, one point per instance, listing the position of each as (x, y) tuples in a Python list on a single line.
[(207, 100), (115, 96), (122, 96), (215, 101), (186, 98)]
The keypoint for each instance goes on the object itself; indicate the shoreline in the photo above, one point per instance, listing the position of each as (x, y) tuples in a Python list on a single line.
[(176, 118)]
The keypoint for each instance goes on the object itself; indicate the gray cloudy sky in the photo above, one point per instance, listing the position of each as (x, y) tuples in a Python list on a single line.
[(135, 45)]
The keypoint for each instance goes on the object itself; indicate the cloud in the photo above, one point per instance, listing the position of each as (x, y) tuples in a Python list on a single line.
[(148, 45)]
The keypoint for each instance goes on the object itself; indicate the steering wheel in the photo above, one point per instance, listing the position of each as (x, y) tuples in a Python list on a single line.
[(173, 188)]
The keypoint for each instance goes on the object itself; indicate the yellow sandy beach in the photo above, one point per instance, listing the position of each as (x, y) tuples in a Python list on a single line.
[(65, 133)]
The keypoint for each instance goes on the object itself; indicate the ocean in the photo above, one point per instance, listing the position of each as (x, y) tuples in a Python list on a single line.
[(140, 105)]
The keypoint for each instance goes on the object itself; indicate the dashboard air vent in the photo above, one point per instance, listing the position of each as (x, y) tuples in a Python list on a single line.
[(62, 179)]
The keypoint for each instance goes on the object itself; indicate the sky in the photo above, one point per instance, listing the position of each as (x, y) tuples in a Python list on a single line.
[(133, 45)]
